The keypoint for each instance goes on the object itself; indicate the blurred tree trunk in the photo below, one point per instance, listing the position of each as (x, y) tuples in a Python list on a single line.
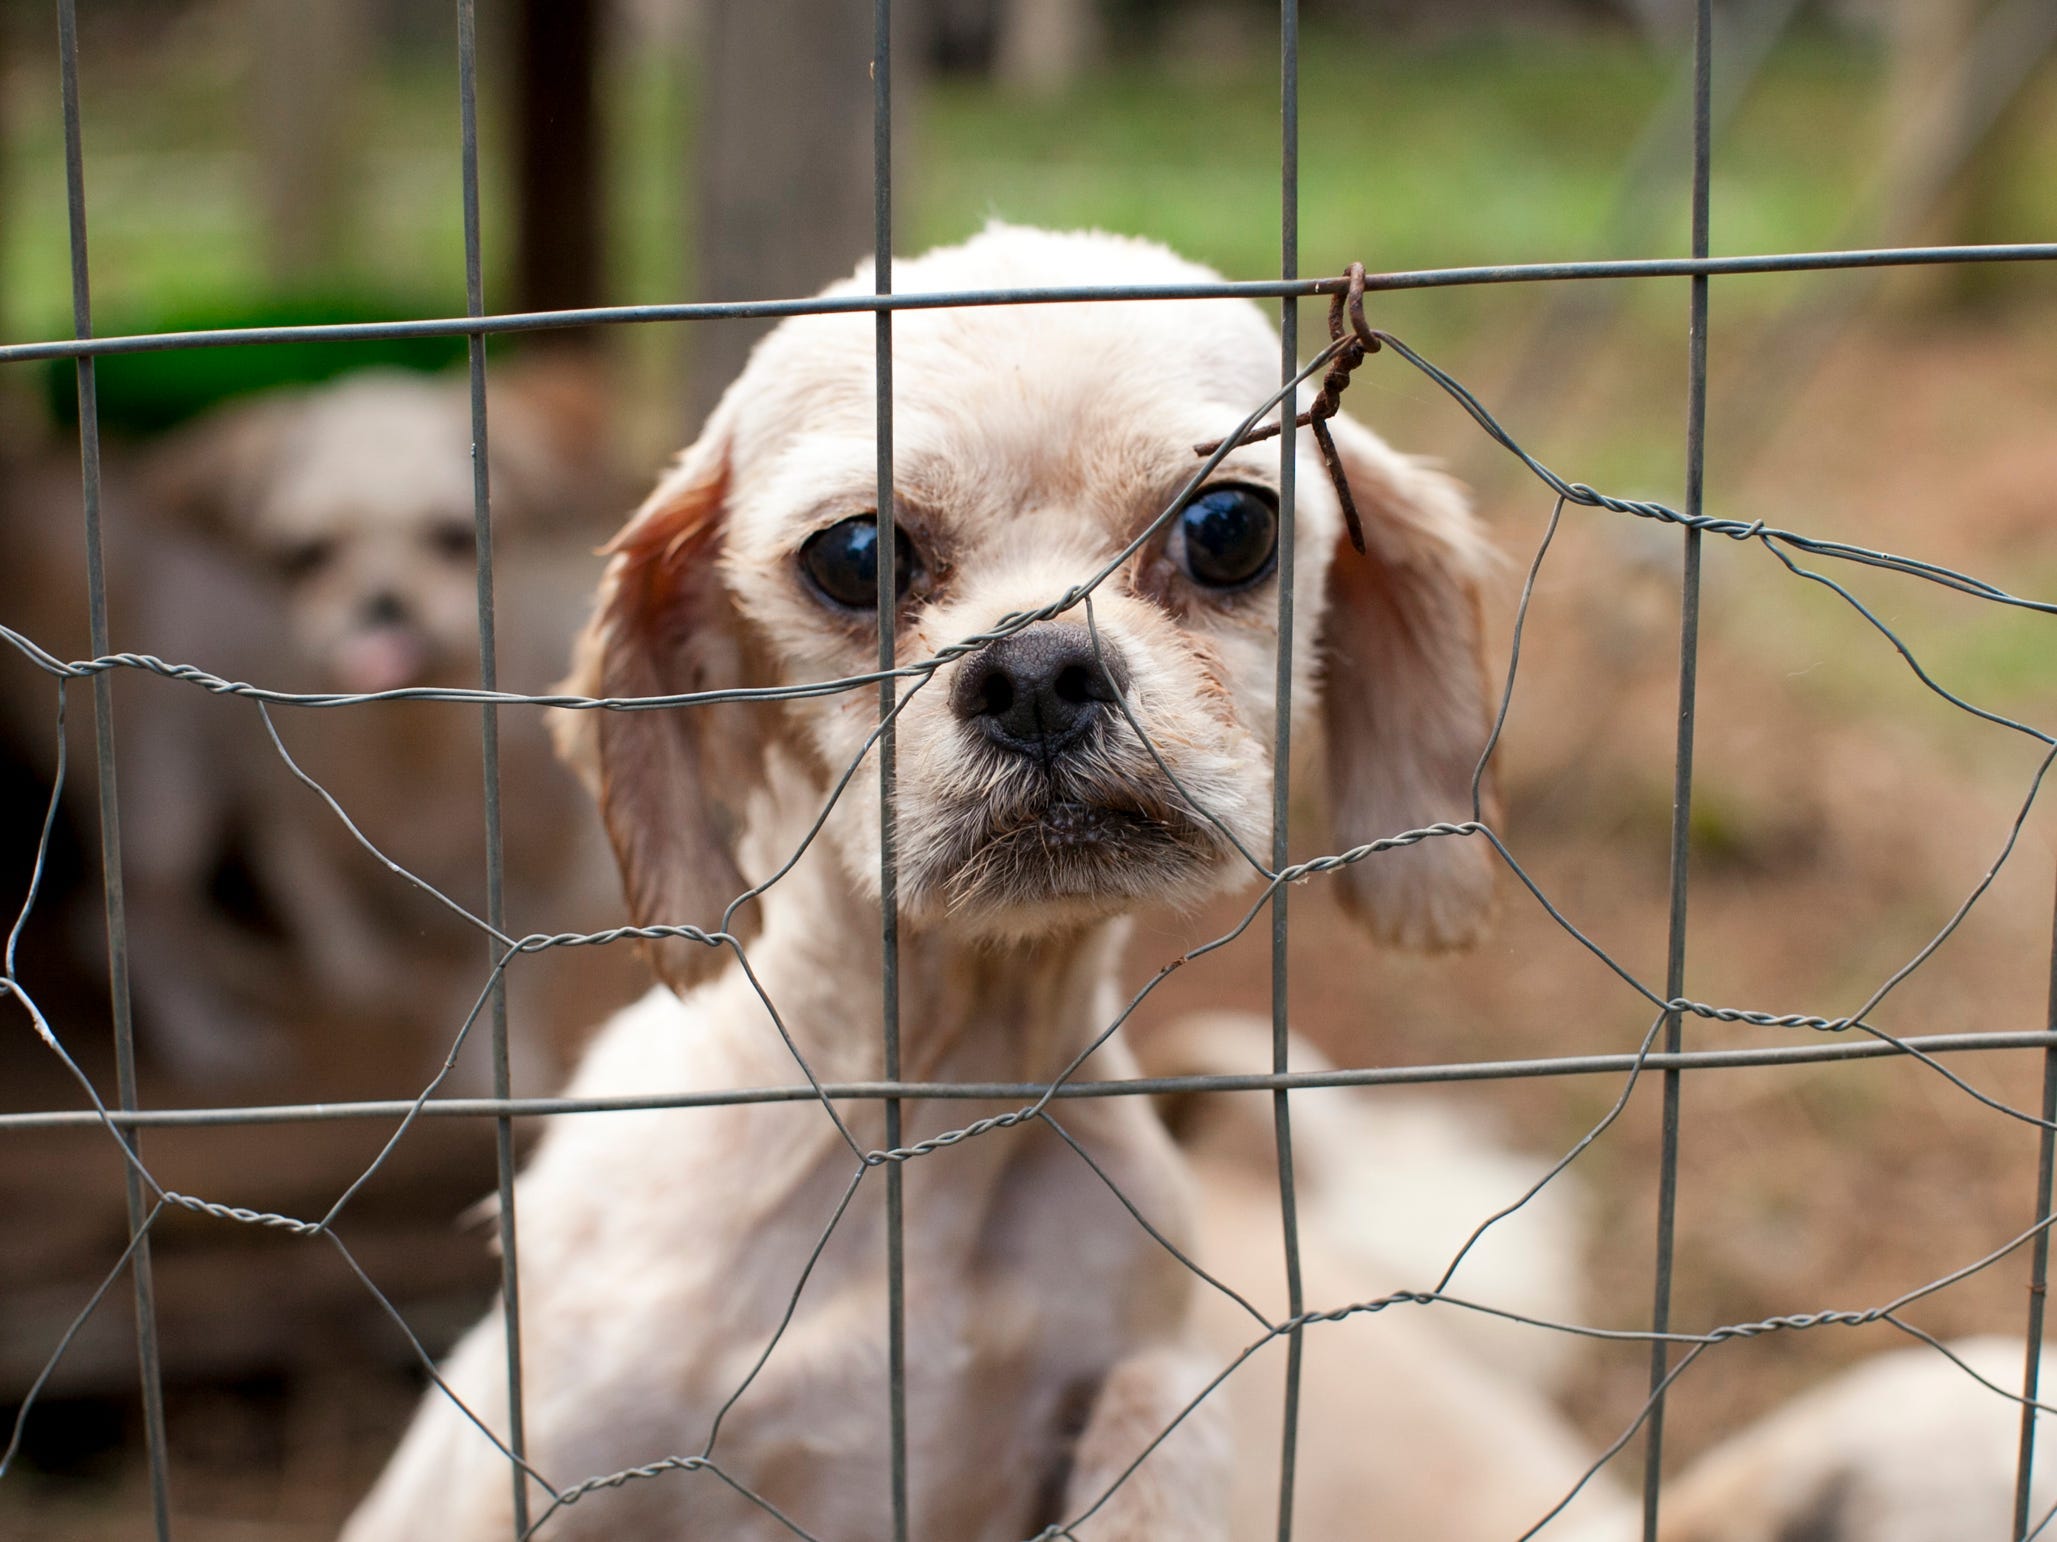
[(560, 169), (1931, 42), (9, 322), (310, 55), (1959, 112), (785, 162), (1995, 116), (15, 407), (1044, 44)]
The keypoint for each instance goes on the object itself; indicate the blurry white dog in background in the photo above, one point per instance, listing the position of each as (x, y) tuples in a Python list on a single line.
[(356, 498), (320, 539)]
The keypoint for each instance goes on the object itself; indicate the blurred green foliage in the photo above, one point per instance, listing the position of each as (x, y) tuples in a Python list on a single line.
[(1485, 147), (1488, 147), (147, 393)]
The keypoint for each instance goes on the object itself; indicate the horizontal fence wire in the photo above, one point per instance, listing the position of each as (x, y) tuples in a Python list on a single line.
[(954, 299), (1142, 1086), (1135, 1086), (1837, 1037), (1037, 1098)]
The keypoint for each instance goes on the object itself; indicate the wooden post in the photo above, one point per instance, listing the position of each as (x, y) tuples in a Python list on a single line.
[(310, 56), (560, 255), (1043, 45), (784, 199)]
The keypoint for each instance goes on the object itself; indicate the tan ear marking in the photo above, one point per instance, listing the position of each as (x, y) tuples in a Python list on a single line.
[(665, 625)]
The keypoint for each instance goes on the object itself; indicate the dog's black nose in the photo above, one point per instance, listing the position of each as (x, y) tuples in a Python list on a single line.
[(1040, 690), (385, 609)]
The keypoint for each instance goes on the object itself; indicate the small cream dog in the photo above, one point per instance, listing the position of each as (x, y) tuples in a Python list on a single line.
[(355, 498), (1049, 1336), (320, 539)]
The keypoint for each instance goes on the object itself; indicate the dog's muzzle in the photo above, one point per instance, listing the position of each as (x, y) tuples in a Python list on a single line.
[(1059, 799), (1041, 690)]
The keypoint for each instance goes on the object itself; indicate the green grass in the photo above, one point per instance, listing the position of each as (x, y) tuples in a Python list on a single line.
[(1489, 150), (1486, 149)]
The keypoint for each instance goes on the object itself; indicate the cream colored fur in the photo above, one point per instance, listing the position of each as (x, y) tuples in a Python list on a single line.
[(318, 540), (1050, 1338), (1394, 1181), (1901, 1447)]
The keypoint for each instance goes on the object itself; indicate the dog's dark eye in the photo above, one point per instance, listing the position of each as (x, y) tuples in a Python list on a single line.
[(303, 559), (454, 538), (1226, 536), (843, 561)]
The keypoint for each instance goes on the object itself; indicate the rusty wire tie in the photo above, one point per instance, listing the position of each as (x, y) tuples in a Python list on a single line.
[(1347, 351)]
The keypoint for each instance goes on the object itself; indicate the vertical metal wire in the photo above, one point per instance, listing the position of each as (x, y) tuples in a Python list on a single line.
[(148, 1362), (2039, 1264), (482, 529), (889, 876), (1682, 767), (1281, 786), (140, 1259)]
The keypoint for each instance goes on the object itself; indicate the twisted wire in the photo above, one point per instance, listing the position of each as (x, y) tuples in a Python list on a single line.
[(1352, 342)]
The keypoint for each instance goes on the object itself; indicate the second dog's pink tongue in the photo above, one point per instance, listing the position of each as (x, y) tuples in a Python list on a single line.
[(384, 659)]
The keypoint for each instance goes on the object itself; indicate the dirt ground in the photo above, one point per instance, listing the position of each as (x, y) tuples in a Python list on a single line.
[(1841, 814)]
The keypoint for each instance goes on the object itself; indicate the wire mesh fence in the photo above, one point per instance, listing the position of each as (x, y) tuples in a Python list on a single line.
[(1354, 344)]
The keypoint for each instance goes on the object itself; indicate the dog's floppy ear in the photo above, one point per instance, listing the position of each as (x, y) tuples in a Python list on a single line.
[(670, 781), (552, 470), (209, 477), (1406, 700)]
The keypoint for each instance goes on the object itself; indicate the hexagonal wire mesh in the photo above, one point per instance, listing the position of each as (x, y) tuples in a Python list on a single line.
[(537, 1496)]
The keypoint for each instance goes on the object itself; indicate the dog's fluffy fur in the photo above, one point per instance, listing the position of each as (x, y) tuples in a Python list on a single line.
[(354, 499), (1426, 1423), (319, 539), (1902, 1447), (1394, 1182), (1050, 1339)]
